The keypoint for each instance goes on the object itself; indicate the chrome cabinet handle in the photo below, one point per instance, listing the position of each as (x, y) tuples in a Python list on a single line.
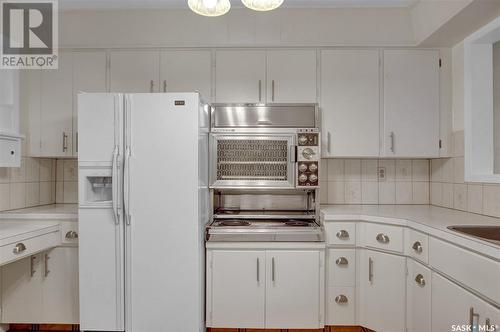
[(419, 279), (341, 299), (258, 270), (32, 266), (65, 142), (19, 248), (341, 261), (71, 235), (472, 315), (46, 263), (343, 234), (392, 136), (273, 270), (328, 142), (272, 90), (487, 322), (164, 85), (76, 139), (260, 90), (370, 269), (417, 246), (382, 238), (151, 86)]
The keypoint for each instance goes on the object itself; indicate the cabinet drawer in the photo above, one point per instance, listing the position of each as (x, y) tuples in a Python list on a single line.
[(340, 306), (342, 267), (28, 247), (384, 237), (340, 233), (418, 245), (69, 232), (473, 270)]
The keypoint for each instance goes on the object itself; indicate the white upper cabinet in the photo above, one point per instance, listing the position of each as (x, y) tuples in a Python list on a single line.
[(382, 291), (293, 289), (135, 71), (89, 75), (240, 76), (237, 288), (350, 103), (31, 92), (291, 76), (411, 103), (56, 118), (186, 71)]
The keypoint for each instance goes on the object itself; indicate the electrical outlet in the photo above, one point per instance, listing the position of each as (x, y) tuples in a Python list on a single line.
[(381, 174)]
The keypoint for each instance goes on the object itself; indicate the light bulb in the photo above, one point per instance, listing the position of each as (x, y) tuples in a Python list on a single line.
[(210, 3), (209, 7), (262, 5)]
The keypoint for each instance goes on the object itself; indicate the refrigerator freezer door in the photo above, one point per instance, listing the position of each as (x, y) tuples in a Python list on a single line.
[(100, 127), (164, 240)]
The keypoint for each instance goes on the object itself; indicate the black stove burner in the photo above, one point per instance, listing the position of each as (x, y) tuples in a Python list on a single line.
[(234, 223), (296, 223)]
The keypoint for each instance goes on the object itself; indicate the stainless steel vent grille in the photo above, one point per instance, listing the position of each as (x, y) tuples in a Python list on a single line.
[(252, 159)]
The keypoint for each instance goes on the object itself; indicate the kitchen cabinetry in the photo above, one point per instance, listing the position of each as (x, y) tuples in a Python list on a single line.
[(56, 100), (382, 290), (411, 103), (451, 304), (10, 138), (254, 288), (418, 296), (89, 75), (186, 71), (291, 76), (134, 71), (350, 103), (42, 288), (240, 76)]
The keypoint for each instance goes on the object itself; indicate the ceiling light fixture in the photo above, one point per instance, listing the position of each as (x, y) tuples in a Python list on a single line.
[(262, 5), (209, 7)]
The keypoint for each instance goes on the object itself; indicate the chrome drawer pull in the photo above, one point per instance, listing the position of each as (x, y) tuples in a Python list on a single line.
[(419, 279), (341, 261), (382, 238), (417, 246), (71, 235), (341, 299), (19, 248), (343, 234)]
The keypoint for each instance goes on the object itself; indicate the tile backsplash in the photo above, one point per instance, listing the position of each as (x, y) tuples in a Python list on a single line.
[(375, 181), (67, 181), (32, 184), (448, 188)]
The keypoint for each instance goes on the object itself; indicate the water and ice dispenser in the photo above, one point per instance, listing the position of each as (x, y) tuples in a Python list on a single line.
[(96, 187)]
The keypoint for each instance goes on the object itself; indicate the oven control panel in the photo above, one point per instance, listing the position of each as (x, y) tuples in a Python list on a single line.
[(308, 159)]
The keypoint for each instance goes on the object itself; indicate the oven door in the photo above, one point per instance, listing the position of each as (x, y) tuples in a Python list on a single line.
[(252, 160)]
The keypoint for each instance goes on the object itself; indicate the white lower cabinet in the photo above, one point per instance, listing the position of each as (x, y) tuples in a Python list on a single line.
[(42, 288), (418, 297), (265, 288), (381, 291)]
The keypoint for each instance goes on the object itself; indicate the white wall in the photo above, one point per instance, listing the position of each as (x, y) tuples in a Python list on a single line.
[(496, 105), (241, 27)]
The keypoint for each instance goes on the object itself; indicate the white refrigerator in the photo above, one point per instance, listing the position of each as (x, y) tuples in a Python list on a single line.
[(143, 206)]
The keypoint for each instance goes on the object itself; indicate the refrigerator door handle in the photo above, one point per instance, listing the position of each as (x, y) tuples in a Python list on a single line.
[(126, 185), (114, 181)]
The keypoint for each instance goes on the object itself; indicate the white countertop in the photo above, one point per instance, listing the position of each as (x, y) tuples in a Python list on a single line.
[(425, 218), (68, 212)]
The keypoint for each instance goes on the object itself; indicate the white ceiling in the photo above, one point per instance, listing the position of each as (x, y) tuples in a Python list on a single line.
[(138, 4)]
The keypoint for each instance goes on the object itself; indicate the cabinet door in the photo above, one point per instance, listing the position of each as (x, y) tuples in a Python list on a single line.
[(31, 83), (350, 103), (382, 290), (60, 286), (89, 75), (237, 288), (21, 290), (293, 289), (57, 109), (187, 71), (451, 305), (240, 76), (418, 299), (291, 76), (411, 103), (134, 71)]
